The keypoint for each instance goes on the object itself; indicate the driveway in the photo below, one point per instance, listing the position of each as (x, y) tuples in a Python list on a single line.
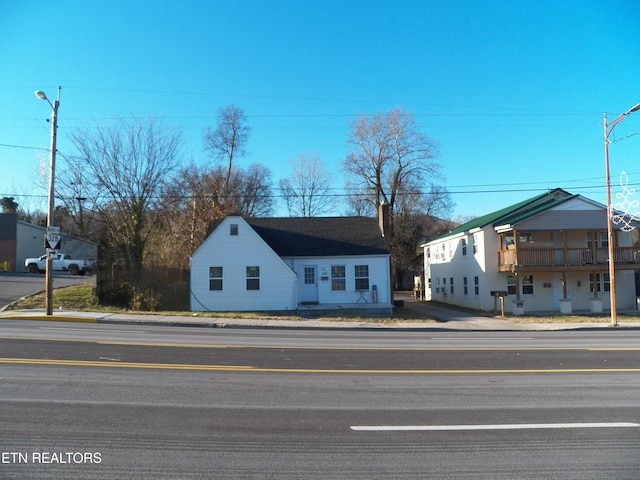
[(14, 286), (458, 318)]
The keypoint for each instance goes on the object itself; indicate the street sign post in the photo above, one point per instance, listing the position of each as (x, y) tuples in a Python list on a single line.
[(52, 239)]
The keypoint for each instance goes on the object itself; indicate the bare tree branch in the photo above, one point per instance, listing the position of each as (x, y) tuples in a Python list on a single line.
[(228, 140), (390, 154), (123, 168), (306, 191)]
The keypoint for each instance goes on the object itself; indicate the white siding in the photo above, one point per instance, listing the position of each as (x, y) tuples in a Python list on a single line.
[(451, 263), (278, 283), (379, 275), (547, 285), (279, 278), (457, 267)]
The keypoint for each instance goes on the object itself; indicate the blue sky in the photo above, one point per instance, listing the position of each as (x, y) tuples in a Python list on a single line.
[(514, 91)]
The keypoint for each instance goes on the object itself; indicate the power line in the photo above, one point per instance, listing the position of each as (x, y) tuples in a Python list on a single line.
[(343, 194), (20, 146)]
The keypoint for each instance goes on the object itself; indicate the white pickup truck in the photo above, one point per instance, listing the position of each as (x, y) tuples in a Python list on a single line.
[(61, 261)]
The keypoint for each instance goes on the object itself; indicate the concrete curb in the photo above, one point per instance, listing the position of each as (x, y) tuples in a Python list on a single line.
[(475, 324), (57, 318)]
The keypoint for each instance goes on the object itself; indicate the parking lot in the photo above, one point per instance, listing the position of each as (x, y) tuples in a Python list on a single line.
[(14, 286)]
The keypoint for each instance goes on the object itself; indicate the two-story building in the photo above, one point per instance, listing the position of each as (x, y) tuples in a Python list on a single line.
[(548, 253)]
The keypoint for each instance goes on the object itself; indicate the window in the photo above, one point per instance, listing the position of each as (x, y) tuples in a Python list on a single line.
[(597, 239), (464, 247), (525, 237), (451, 285), (233, 229), (215, 278), (475, 244), (253, 278), (309, 275), (600, 282), (465, 285), (362, 277), (338, 278), (527, 285), (476, 286)]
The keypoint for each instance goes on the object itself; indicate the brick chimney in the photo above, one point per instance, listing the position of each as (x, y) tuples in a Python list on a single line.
[(384, 219)]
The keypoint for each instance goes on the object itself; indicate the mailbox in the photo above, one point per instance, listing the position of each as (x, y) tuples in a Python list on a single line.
[(498, 294)]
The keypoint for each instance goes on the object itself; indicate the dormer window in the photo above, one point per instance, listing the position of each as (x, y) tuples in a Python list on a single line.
[(233, 229)]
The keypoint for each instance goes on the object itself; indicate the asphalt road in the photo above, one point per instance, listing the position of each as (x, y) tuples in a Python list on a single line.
[(14, 286), (153, 402)]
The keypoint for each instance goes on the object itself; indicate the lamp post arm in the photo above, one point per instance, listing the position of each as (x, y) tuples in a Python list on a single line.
[(608, 127), (52, 162)]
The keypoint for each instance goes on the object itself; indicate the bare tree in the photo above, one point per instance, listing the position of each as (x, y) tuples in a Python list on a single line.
[(189, 208), (79, 207), (391, 158), (307, 190), (253, 187), (392, 161), (228, 140), (195, 197), (124, 167)]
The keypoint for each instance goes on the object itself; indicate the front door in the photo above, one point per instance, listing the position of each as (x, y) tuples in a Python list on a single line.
[(309, 293)]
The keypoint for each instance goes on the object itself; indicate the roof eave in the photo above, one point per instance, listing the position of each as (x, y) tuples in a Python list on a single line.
[(503, 228)]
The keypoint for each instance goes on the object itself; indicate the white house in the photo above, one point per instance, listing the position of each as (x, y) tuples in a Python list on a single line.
[(548, 253), (261, 264)]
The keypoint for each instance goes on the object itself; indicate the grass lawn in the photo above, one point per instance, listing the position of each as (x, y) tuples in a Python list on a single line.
[(80, 299)]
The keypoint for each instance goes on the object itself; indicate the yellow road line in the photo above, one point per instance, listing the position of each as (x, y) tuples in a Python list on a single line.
[(85, 363), (248, 368)]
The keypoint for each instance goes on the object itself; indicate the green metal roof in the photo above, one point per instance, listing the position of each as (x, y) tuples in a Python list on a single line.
[(515, 213)]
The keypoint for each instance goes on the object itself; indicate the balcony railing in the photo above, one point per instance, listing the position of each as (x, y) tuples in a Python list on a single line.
[(567, 257)]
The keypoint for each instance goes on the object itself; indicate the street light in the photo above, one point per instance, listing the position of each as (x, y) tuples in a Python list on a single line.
[(52, 170), (608, 128)]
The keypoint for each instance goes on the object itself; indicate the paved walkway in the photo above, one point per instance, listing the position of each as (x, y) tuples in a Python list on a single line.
[(462, 320), (455, 321)]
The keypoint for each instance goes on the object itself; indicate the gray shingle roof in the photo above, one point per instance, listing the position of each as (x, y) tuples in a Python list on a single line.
[(321, 236)]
